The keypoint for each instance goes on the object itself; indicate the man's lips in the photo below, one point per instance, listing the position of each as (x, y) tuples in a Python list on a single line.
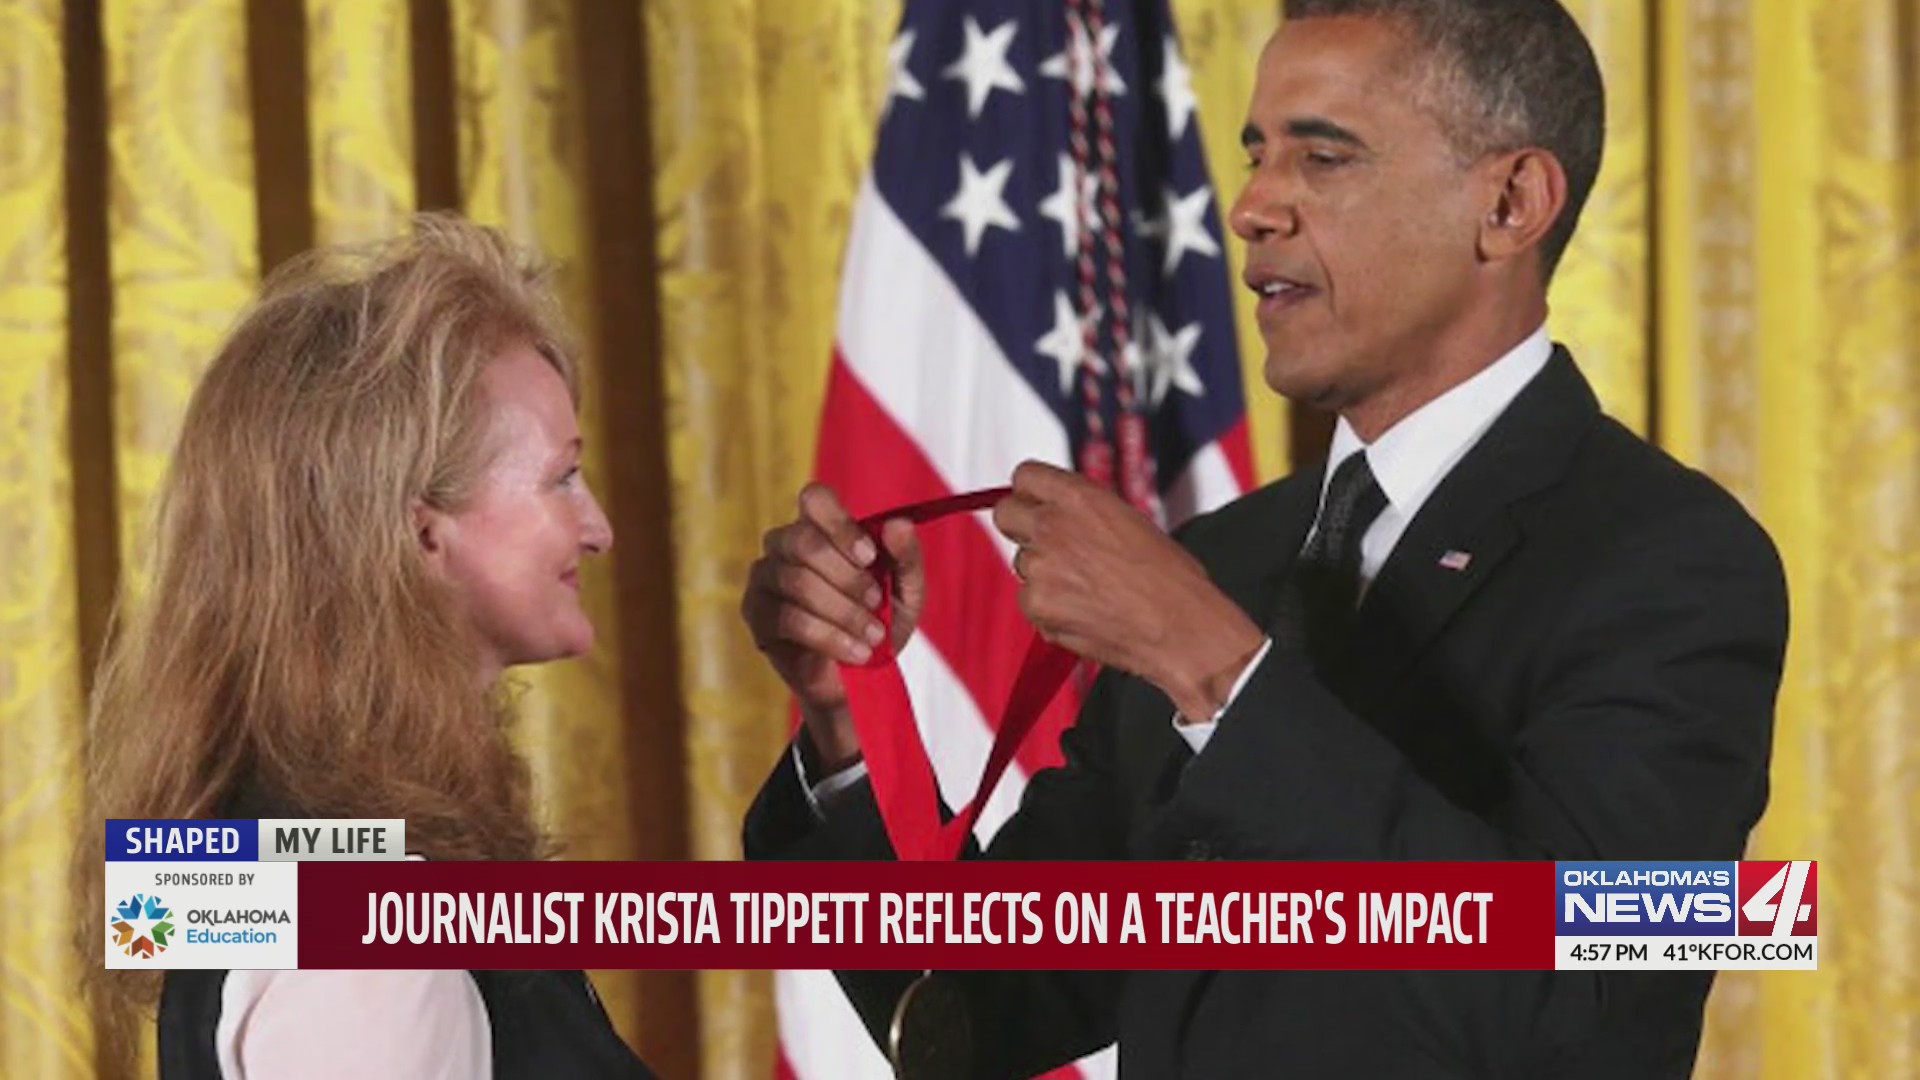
[(571, 579), (1277, 291)]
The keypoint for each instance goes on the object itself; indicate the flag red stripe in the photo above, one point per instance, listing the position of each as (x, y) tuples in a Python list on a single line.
[(1238, 448), (873, 464)]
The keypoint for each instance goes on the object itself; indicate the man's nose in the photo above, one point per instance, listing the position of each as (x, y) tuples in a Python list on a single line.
[(1267, 207)]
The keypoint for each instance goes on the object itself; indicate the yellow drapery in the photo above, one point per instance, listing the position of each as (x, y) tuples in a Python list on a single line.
[(43, 1030), (360, 130), (180, 217), (1742, 291), (1801, 387)]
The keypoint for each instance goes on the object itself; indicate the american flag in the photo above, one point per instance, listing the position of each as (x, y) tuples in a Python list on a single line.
[(1024, 144)]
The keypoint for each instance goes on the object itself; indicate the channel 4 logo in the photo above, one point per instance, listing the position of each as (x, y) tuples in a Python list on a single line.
[(1687, 899)]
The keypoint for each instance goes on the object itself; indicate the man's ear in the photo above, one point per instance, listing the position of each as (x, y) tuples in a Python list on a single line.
[(1529, 191)]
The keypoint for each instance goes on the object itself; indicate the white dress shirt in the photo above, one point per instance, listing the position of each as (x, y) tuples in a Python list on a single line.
[(1408, 461), (369, 1025)]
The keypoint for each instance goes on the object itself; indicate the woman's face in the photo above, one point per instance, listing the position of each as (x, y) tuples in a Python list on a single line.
[(513, 552)]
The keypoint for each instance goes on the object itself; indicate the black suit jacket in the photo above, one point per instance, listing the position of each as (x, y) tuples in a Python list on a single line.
[(1598, 683)]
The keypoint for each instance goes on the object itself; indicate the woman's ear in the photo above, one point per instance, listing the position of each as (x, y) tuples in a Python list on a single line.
[(432, 529)]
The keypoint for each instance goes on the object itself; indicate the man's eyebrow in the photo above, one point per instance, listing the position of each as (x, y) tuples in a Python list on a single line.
[(1306, 127), (1319, 127)]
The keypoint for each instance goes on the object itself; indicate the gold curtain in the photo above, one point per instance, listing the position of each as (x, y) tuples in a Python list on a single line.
[(1742, 291), (184, 241), (1601, 299), (761, 120), (360, 131), (1799, 382), (43, 1031)]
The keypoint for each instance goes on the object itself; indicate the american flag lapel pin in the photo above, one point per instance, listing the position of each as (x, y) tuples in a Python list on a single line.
[(1456, 560)]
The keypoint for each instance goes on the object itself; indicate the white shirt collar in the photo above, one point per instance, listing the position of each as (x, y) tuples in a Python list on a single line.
[(1411, 458)]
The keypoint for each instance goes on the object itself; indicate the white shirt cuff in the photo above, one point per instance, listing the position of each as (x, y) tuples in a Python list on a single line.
[(822, 793), (1197, 732)]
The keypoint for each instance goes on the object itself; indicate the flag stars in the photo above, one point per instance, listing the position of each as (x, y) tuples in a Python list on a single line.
[(981, 203), (1176, 89), (1064, 208), (983, 64), (1183, 224), (900, 80), (1164, 360), (1075, 63), (1065, 344)]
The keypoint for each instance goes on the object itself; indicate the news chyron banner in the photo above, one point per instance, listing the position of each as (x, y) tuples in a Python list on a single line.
[(342, 894)]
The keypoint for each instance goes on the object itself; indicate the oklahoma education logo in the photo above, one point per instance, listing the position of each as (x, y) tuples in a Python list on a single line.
[(140, 927)]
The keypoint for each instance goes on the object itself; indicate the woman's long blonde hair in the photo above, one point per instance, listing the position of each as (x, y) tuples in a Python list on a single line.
[(293, 648)]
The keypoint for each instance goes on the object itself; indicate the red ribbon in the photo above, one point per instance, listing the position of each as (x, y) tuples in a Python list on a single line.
[(902, 775)]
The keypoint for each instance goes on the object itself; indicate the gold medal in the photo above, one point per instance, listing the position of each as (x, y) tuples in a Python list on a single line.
[(932, 1036)]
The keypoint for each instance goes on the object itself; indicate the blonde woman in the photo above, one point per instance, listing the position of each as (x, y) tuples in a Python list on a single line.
[(375, 508)]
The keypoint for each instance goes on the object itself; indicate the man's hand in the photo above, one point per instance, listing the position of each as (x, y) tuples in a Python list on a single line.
[(810, 602), (1100, 579)]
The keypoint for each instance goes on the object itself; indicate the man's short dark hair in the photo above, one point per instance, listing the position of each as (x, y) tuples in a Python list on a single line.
[(1520, 72)]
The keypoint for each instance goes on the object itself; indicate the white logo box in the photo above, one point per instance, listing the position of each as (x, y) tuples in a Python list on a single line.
[(201, 897)]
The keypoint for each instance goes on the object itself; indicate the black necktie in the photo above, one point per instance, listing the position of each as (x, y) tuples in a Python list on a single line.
[(1320, 594)]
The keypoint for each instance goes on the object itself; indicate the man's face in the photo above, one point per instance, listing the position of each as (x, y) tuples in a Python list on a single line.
[(1360, 220)]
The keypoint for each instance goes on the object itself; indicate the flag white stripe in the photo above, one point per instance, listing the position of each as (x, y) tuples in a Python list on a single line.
[(1101, 1065), (1207, 484), (973, 415), (820, 1034), (958, 738)]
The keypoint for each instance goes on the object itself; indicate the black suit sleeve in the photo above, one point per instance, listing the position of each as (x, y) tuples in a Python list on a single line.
[(1647, 736), (1025, 1022)]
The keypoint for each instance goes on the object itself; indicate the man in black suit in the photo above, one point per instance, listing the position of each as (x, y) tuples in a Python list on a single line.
[(1496, 626)]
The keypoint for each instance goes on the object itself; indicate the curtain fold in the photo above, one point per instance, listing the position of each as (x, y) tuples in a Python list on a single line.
[(1836, 255), (43, 1030), (761, 117), (360, 131), (181, 223), (1601, 297), (1787, 368)]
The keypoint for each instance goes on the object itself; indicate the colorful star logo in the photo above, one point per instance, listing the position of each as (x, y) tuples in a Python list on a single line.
[(140, 927)]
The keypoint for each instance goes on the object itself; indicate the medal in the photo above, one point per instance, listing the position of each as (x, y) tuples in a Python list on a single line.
[(931, 1037)]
